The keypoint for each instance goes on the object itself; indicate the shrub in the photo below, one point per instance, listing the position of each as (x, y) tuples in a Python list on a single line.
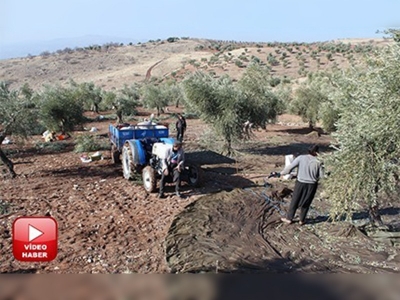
[(51, 147), (45, 53), (255, 59), (274, 81), (4, 208), (89, 143), (239, 63), (272, 60)]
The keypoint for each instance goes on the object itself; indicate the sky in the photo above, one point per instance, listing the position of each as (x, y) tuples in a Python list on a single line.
[(29, 21)]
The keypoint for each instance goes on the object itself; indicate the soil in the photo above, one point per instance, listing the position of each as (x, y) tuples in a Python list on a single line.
[(110, 225)]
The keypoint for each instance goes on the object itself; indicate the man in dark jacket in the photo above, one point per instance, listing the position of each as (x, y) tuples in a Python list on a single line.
[(173, 166), (180, 127), (310, 170)]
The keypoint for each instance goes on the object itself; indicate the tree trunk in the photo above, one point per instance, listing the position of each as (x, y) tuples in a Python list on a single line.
[(228, 147), (96, 108), (374, 215), (373, 211), (310, 125), (5, 159), (119, 116), (62, 125)]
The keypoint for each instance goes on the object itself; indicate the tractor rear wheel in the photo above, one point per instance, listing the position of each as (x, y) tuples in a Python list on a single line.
[(149, 179), (194, 175)]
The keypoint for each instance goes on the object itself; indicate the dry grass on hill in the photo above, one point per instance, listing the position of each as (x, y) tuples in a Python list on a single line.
[(112, 67)]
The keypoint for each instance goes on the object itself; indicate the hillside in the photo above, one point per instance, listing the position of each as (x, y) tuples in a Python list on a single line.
[(114, 65)]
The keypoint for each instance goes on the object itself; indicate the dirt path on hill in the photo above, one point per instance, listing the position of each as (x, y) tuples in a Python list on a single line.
[(148, 73)]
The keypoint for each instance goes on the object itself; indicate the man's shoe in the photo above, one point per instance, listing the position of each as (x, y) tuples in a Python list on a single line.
[(179, 195), (287, 221), (161, 196)]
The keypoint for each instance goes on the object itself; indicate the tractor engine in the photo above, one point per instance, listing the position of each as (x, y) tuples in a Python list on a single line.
[(159, 154)]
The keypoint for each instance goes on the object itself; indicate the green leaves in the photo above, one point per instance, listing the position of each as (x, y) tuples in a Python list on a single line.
[(227, 106), (307, 103), (368, 134), (217, 102), (260, 104), (124, 101), (88, 94), (155, 97), (18, 112), (61, 109)]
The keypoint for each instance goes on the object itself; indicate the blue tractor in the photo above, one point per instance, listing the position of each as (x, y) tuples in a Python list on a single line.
[(141, 149)]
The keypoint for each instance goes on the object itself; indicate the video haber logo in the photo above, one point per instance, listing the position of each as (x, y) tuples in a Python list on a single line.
[(35, 239)]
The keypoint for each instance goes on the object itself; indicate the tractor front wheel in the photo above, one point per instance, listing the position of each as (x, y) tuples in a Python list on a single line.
[(128, 165), (149, 179)]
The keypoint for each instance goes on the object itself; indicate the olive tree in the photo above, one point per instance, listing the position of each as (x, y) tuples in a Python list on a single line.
[(173, 93), (259, 104), (394, 33), (307, 103), (227, 106), (155, 97), (18, 116), (88, 93), (60, 109), (327, 83), (217, 102), (366, 162), (124, 101)]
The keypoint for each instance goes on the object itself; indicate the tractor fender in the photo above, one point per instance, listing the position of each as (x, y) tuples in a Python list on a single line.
[(138, 153), (167, 140)]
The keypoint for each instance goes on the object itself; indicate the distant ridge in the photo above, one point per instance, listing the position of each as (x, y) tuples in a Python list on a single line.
[(16, 50)]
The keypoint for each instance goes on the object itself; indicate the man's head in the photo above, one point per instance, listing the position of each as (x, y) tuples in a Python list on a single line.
[(177, 145), (313, 150)]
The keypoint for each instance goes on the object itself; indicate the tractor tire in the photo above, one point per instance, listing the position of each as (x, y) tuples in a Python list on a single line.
[(128, 166), (195, 175), (115, 155), (149, 179), (133, 158)]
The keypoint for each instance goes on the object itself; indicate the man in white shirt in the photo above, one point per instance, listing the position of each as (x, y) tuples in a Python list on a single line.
[(172, 166)]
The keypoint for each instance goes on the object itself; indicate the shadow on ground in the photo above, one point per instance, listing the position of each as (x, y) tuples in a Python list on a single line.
[(102, 171), (294, 148), (41, 149), (208, 157), (362, 215), (219, 171), (303, 130), (22, 271)]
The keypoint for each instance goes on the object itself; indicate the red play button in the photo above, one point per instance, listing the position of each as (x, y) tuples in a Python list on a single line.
[(35, 239), (33, 233)]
